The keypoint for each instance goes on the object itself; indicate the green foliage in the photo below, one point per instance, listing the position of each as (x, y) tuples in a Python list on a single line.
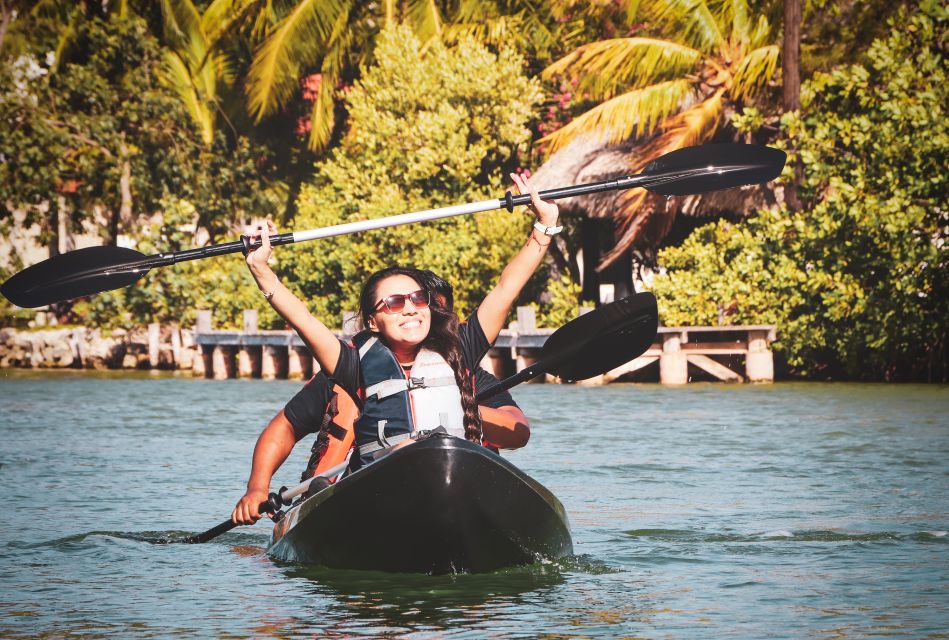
[(175, 293), (858, 280), (561, 304), (426, 130), (101, 138)]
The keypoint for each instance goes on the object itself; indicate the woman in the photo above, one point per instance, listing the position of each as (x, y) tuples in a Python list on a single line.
[(412, 370), (323, 408)]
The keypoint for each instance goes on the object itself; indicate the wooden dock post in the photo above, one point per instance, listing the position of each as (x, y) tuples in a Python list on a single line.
[(299, 363), (248, 361), (222, 363), (273, 362), (526, 323), (673, 364), (249, 356), (154, 336), (176, 345), (201, 366), (759, 363)]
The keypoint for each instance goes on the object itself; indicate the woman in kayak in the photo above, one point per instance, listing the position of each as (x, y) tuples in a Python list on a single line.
[(319, 408), (412, 368)]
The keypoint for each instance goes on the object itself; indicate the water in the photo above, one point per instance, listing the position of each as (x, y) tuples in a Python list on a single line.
[(790, 510)]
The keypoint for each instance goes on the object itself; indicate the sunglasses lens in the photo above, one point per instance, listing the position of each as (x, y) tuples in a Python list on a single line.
[(419, 299), (394, 304)]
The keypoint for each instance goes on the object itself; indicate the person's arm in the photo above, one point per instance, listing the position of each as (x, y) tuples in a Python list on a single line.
[(323, 344), (273, 446), (494, 309), (505, 427)]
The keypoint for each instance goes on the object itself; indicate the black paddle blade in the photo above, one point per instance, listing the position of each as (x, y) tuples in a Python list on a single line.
[(74, 274), (713, 167), (607, 337)]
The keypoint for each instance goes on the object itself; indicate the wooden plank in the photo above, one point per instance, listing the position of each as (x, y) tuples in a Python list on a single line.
[(716, 348), (717, 369), (630, 367)]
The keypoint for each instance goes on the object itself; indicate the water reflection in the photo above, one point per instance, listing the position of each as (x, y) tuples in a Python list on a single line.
[(394, 601)]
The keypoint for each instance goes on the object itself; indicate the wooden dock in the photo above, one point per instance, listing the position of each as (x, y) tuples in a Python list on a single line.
[(683, 354)]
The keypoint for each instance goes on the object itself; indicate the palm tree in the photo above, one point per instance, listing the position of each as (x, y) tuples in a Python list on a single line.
[(665, 93), (190, 69), (331, 35)]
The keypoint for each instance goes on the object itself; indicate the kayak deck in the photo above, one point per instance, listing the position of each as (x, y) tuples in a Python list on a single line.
[(438, 505)]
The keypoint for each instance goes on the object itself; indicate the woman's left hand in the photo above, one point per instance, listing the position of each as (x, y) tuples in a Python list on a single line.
[(545, 212), (258, 258)]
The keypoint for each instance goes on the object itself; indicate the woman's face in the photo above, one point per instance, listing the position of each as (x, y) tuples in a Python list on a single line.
[(407, 327)]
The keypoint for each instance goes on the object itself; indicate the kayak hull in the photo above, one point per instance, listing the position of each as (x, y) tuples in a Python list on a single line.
[(438, 505)]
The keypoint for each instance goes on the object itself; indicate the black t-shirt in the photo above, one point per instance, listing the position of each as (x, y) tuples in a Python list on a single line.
[(306, 409)]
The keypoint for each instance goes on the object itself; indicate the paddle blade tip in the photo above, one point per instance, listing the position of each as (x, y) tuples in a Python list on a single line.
[(74, 274), (714, 167)]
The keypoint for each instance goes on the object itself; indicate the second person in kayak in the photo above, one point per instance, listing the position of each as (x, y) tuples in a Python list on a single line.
[(412, 368)]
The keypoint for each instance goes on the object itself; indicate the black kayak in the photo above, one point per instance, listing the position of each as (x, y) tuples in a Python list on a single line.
[(436, 505)]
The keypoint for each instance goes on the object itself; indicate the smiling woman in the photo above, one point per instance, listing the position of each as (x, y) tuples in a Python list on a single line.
[(413, 368)]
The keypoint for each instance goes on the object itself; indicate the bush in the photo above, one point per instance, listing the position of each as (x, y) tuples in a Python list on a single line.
[(858, 280), (426, 130)]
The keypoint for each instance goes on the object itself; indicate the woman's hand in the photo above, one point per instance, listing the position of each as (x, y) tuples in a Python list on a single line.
[(257, 258), (247, 509), (545, 212)]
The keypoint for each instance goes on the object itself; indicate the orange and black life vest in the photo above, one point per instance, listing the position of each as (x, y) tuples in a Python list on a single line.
[(336, 435)]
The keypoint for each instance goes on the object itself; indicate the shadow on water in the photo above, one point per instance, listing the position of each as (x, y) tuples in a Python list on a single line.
[(399, 600)]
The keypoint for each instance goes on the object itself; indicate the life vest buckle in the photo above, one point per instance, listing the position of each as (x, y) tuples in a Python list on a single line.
[(416, 383)]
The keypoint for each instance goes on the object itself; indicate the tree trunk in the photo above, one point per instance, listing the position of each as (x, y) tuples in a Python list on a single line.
[(6, 13), (791, 81)]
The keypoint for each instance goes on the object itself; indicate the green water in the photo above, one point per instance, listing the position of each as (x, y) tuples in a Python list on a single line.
[(789, 510)]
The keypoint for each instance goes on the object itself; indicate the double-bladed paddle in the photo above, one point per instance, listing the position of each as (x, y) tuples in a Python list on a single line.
[(95, 269), (587, 346)]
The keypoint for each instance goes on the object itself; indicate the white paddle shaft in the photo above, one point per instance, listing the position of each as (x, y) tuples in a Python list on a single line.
[(394, 221)]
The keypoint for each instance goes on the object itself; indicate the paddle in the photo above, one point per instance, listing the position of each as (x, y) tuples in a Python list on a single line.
[(95, 269), (587, 346), (594, 343), (271, 505)]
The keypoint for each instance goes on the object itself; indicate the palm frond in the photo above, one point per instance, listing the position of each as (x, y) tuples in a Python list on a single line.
[(606, 67), (761, 34), (425, 18), (691, 20), (222, 16), (490, 31), (695, 125), (323, 113), (298, 39), (322, 117), (734, 15), (177, 76), (630, 10), (637, 113), (181, 23), (754, 71)]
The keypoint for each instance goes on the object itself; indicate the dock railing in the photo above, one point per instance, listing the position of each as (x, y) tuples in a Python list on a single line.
[(732, 353)]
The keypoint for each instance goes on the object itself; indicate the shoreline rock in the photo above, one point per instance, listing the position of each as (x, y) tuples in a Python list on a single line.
[(85, 348)]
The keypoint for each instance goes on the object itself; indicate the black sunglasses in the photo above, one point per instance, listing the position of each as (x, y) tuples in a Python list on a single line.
[(395, 303)]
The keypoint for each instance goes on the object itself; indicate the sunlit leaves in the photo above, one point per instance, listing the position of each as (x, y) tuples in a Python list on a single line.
[(857, 281), (427, 129)]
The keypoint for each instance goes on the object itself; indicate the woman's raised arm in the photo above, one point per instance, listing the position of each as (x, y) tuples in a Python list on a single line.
[(495, 307), (322, 342)]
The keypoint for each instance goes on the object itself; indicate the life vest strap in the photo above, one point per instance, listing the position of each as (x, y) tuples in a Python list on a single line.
[(388, 388), (391, 441)]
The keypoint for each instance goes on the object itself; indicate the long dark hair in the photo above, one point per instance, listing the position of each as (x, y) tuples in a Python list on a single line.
[(442, 337)]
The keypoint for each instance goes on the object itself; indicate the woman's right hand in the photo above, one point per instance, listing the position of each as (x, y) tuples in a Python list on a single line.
[(247, 510)]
